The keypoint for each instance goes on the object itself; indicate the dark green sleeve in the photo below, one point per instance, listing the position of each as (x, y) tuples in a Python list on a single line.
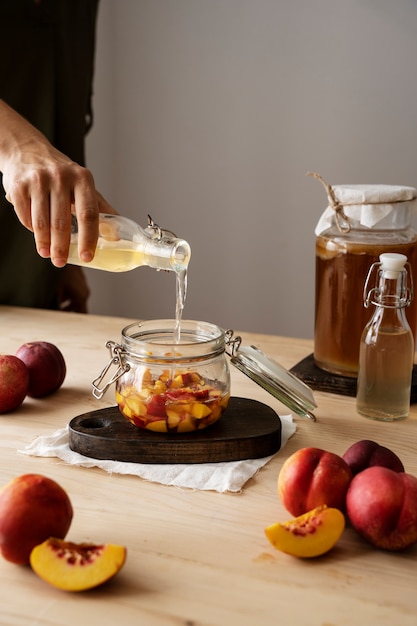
[(46, 74)]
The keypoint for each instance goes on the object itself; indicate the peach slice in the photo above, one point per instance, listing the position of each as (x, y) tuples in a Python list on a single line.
[(76, 566), (312, 534)]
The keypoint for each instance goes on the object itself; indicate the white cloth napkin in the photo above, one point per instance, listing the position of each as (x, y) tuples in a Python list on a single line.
[(222, 477), (368, 205)]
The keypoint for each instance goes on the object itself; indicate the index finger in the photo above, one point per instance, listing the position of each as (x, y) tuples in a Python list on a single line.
[(87, 211)]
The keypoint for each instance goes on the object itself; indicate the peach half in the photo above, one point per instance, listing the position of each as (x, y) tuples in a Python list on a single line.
[(311, 477), (76, 566), (309, 535)]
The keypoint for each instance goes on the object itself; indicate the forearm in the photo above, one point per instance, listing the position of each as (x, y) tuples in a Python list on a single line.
[(18, 136)]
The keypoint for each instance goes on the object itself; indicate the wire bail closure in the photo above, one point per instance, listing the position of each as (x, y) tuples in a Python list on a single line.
[(116, 352), (156, 232), (232, 343), (372, 296)]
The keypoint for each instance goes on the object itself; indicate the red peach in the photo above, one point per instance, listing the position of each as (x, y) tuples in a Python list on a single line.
[(312, 477), (32, 509), (46, 365), (366, 453), (382, 507), (14, 382)]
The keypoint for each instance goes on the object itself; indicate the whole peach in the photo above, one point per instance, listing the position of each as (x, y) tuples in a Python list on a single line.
[(366, 453), (47, 369), (14, 382), (32, 509), (382, 507), (312, 477)]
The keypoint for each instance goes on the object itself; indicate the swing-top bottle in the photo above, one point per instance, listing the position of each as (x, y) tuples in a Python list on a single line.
[(386, 351), (123, 245)]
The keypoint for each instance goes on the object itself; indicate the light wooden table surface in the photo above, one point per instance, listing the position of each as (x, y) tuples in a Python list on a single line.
[(195, 558)]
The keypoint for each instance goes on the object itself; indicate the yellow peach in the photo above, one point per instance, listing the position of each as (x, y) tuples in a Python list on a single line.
[(119, 398), (225, 401), (173, 418), (186, 425), (126, 411), (136, 405), (199, 410), (159, 426), (76, 567), (309, 535)]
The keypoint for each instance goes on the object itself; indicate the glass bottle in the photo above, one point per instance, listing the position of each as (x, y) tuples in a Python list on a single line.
[(387, 346), (123, 245), (360, 223)]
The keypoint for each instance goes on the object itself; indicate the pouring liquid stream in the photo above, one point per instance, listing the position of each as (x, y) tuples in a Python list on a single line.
[(181, 293)]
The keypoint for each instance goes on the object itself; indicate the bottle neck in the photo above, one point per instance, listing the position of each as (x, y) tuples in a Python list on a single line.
[(390, 298), (391, 292)]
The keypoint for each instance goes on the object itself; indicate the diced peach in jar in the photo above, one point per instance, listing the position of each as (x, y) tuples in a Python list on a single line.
[(173, 418), (159, 386), (156, 406), (211, 419), (147, 377), (159, 426), (177, 382), (199, 410), (144, 394), (138, 421), (126, 411), (180, 407), (119, 398), (215, 412), (136, 405), (186, 425), (127, 391), (164, 376), (225, 400)]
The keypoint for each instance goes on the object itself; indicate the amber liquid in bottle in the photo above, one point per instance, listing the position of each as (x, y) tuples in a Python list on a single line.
[(340, 317)]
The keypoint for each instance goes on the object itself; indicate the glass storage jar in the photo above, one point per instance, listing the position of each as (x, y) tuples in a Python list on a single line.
[(166, 385), (362, 222)]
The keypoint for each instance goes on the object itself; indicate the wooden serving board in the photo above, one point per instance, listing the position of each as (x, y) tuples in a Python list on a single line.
[(320, 380), (248, 429)]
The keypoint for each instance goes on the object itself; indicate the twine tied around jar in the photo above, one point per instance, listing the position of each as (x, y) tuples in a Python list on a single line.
[(342, 220)]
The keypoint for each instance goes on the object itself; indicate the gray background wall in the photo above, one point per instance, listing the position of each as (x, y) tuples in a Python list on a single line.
[(208, 114)]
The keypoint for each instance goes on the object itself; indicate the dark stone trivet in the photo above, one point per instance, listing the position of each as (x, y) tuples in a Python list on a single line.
[(319, 380)]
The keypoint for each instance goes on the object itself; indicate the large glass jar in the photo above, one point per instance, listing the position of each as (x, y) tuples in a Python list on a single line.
[(166, 385), (345, 250)]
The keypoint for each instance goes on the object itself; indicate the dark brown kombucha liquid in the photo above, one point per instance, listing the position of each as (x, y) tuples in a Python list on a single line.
[(340, 316)]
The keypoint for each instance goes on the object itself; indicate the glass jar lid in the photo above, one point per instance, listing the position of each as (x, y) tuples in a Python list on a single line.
[(272, 377)]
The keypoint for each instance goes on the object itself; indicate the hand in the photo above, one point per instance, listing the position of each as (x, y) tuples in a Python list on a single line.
[(73, 290), (44, 186)]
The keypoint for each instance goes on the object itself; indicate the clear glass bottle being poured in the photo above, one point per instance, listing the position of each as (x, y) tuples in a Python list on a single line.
[(386, 352), (123, 245)]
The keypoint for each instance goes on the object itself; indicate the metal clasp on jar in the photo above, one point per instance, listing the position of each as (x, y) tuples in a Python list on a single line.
[(232, 343), (116, 358)]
